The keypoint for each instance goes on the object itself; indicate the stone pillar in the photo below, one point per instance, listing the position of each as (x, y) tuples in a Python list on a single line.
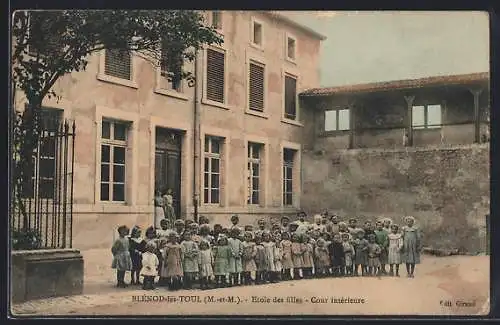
[(409, 130), (477, 120)]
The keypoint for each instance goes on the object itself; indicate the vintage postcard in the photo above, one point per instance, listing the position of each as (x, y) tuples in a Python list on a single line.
[(178, 162)]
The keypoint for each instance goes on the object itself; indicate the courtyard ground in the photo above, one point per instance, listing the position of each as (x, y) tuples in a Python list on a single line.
[(455, 285)]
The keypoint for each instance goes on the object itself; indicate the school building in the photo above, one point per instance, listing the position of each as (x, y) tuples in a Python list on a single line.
[(255, 136), (230, 144)]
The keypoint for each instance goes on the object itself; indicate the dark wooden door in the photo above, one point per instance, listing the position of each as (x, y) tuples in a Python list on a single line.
[(168, 165)]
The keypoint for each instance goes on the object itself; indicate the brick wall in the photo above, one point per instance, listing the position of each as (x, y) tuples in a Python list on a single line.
[(446, 189)]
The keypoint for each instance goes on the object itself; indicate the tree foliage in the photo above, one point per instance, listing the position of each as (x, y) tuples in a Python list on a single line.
[(47, 45)]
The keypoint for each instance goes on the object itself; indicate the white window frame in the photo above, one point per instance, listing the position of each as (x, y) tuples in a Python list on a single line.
[(212, 156), (102, 76), (337, 121), (294, 38), (205, 100), (255, 21), (114, 143), (131, 172), (255, 59), (426, 126), (250, 167), (296, 173)]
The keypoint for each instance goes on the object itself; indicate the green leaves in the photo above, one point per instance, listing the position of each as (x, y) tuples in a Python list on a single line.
[(50, 44)]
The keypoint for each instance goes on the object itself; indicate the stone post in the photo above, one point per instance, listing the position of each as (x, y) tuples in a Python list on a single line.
[(352, 123), (409, 129), (477, 121)]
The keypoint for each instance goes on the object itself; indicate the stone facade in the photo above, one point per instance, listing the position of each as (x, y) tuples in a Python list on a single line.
[(446, 189), (145, 104)]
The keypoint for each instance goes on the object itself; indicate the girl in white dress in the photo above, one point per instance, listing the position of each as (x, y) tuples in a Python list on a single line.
[(150, 265), (205, 262), (394, 250)]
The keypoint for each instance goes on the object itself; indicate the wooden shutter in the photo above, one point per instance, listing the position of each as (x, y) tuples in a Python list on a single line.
[(290, 97), (256, 87), (118, 63), (215, 75)]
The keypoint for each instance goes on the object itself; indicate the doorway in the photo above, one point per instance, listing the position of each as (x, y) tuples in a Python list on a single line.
[(168, 164)]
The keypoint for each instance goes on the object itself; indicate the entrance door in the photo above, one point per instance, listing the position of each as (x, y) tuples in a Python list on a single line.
[(168, 164)]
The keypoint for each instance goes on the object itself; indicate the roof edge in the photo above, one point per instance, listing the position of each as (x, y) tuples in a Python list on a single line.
[(310, 31), (397, 84)]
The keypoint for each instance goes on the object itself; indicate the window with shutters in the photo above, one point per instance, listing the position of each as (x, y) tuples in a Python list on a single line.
[(290, 97), (256, 86), (113, 160), (288, 171), (212, 170), (254, 172), (173, 78), (118, 64), (215, 75)]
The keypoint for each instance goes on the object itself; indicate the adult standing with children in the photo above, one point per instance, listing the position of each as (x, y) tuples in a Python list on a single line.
[(168, 205), (159, 213)]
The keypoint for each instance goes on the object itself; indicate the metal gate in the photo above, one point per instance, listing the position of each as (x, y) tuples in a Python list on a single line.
[(42, 203)]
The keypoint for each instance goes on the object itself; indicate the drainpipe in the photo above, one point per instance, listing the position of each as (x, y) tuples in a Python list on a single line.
[(196, 134)]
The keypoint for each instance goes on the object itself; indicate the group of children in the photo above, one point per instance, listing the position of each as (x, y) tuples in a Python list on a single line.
[(187, 253)]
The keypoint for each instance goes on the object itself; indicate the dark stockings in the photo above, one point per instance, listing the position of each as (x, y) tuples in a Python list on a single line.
[(120, 279)]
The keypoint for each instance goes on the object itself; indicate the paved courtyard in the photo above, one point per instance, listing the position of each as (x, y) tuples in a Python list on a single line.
[(457, 285)]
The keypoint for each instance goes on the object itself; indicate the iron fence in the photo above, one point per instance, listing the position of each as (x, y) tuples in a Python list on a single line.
[(42, 206)]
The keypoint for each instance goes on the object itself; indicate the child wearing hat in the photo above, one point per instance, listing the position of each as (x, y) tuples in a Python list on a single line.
[(361, 248)]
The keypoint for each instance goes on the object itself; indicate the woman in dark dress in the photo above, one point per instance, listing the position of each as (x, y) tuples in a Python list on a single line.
[(137, 246)]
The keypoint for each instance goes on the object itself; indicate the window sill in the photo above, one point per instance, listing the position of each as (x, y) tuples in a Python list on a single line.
[(334, 133), (215, 104), (292, 122), (256, 113), (117, 81), (420, 129), (292, 61), (171, 93), (257, 46)]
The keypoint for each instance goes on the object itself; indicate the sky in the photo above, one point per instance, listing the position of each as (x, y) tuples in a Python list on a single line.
[(364, 46)]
